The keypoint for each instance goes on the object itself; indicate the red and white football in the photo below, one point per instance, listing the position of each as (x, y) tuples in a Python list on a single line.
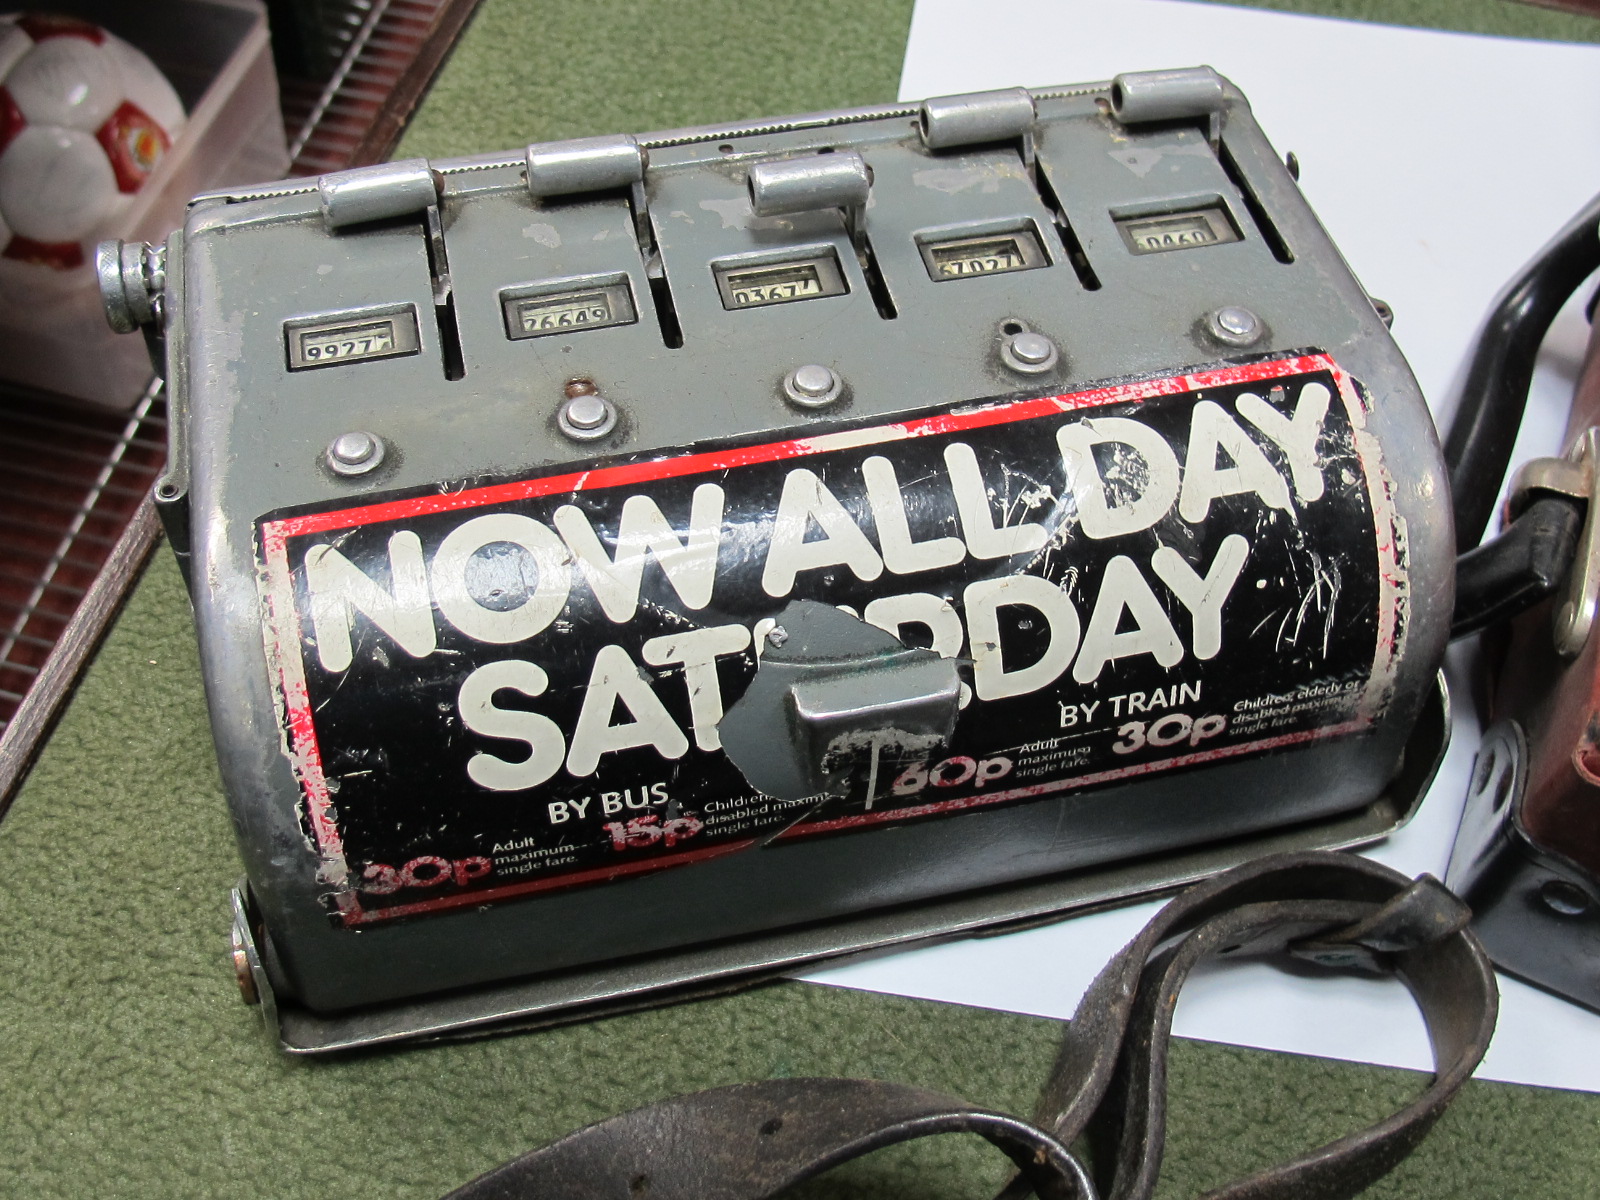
[(85, 119)]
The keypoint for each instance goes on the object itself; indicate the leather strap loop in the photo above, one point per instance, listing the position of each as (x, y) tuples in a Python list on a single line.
[(753, 1141), (760, 1139), (1426, 912)]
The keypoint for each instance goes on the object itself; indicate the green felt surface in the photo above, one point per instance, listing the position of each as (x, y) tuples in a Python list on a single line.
[(533, 70), (128, 1066)]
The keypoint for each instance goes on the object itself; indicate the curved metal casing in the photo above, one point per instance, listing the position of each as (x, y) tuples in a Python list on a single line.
[(472, 403)]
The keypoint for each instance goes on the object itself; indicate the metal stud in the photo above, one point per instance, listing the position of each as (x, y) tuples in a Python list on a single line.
[(812, 386), (355, 453), (1234, 325), (587, 416), (1029, 353)]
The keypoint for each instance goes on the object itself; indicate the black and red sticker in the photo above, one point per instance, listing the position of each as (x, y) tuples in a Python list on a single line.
[(495, 687)]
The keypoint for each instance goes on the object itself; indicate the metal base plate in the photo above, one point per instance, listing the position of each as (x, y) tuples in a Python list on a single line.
[(708, 970), (1532, 907)]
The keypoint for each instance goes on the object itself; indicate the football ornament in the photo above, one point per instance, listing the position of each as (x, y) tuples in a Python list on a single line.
[(85, 119)]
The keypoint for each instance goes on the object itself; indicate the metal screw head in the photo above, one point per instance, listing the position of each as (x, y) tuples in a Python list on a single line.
[(812, 386), (1235, 326), (131, 277), (1032, 348), (354, 453), (586, 412), (108, 270), (1029, 353), (587, 415)]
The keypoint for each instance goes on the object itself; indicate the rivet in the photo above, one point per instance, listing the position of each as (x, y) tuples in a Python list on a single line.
[(1565, 899), (1234, 325), (354, 453), (812, 386), (1029, 353), (587, 415)]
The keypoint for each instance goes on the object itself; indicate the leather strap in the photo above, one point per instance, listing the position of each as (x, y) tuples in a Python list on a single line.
[(1108, 1083)]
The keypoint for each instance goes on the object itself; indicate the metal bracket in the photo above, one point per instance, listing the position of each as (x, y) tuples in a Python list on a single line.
[(1576, 476), (1534, 909), (1562, 476), (835, 697)]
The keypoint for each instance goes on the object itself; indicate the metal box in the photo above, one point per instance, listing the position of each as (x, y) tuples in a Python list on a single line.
[(1081, 510)]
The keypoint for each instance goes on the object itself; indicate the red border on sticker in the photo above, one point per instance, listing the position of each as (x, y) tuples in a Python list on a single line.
[(282, 626)]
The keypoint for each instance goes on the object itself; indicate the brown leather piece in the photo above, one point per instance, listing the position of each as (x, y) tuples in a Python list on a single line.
[(1109, 1080)]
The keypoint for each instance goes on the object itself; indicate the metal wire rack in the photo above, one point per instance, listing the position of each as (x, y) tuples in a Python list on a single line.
[(70, 484), (354, 116), (76, 523)]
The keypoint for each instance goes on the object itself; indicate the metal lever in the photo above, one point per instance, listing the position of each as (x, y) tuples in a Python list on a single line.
[(593, 164), (978, 117), (1139, 96), (377, 193), (795, 185)]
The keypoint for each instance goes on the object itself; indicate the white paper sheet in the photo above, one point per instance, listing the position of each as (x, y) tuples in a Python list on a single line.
[(1439, 163)]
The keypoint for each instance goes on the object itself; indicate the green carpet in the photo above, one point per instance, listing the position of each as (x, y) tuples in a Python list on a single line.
[(128, 1066)]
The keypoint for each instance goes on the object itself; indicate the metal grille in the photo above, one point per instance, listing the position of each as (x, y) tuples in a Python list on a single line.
[(329, 121), (75, 518), (70, 483)]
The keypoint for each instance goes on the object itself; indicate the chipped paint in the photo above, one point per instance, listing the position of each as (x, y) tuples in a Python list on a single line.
[(985, 178), (545, 234)]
